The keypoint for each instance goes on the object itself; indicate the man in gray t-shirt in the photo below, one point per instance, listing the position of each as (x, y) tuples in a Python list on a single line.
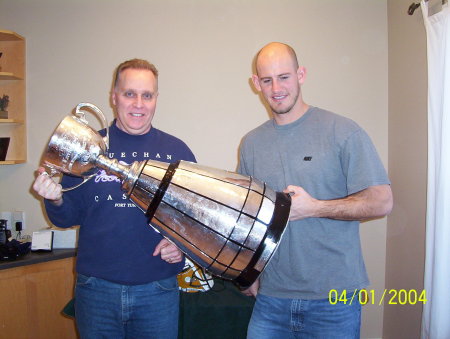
[(333, 172)]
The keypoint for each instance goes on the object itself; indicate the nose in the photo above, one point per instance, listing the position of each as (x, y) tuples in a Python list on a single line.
[(138, 102), (275, 85)]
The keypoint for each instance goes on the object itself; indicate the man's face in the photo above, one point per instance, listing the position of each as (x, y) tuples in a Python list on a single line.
[(135, 99), (279, 81)]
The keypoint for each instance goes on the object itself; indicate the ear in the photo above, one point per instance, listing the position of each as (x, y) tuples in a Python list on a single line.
[(255, 80), (113, 97), (301, 74)]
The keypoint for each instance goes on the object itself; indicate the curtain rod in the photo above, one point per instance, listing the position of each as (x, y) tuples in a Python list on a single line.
[(413, 7), (416, 5)]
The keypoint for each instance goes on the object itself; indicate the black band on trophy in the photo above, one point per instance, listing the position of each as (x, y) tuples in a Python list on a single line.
[(274, 232), (159, 194)]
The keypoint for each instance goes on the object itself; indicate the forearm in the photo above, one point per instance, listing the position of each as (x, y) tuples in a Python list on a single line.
[(62, 215), (372, 202)]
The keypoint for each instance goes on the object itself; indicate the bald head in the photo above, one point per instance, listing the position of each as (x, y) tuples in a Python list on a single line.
[(279, 79), (274, 51)]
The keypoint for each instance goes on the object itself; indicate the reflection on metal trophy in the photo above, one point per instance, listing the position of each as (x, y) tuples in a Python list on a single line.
[(75, 146), (228, 223)]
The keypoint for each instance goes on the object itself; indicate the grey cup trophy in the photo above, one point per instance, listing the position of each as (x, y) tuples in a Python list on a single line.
[(229, 224)]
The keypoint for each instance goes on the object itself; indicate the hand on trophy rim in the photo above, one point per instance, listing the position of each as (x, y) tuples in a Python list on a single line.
[(168, 251)]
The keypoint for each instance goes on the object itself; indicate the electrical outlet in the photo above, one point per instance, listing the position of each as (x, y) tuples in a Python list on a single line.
[(18, 216), (8, 217)]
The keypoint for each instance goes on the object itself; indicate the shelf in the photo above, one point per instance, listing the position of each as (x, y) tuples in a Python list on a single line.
[(13, 85), (9, 76), (11, 121), (10, 36), (12, 162)]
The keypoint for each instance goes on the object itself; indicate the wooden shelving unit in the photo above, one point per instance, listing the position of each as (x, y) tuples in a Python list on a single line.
[(12, 84)]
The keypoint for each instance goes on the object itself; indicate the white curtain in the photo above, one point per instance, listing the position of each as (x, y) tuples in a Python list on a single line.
[(436, 311)]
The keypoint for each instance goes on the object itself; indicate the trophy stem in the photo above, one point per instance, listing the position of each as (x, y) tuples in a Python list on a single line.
[(128, 174), (111, 166)]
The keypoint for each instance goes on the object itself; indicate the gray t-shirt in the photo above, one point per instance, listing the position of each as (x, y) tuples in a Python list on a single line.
[(330, 157)]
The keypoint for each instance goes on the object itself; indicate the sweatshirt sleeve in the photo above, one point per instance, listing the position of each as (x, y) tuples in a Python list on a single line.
[(70, 213)]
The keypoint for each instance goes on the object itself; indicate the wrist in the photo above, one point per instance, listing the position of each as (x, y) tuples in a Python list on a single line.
[(318, 209), (56, 202), (321, 208)]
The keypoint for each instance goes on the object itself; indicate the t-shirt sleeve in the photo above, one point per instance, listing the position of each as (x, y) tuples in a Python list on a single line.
[(361, 163), (242, 165)]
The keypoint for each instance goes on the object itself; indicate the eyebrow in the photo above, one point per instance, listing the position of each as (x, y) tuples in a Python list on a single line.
[(134, 90), (278, 75)]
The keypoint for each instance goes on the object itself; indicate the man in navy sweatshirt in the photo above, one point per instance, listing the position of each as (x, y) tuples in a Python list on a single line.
[(126, 272)]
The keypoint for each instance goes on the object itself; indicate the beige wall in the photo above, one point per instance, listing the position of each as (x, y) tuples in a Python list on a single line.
[(203, 49), (407, 165)]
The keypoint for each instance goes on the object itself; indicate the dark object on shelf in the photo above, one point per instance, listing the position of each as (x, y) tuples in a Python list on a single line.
[(3, 229), (4, 144), (4, 102), (14, 249)]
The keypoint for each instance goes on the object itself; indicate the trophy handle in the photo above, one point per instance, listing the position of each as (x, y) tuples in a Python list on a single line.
[(81, 115), (81, 183), (54, 171)]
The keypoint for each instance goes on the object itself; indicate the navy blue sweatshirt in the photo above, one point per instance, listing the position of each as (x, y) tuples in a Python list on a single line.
[(115, 241)]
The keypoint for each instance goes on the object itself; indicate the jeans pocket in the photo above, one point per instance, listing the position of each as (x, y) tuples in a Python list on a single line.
[(169, 284), (83, 280)]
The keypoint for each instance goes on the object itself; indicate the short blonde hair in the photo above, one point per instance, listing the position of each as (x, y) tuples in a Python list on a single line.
[(134, 64)]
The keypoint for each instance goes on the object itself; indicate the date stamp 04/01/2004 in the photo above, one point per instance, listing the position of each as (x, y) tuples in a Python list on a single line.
[(389, 296)]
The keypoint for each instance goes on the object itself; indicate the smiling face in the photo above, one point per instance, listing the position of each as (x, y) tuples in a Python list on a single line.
[(279, 79), (134, 97)]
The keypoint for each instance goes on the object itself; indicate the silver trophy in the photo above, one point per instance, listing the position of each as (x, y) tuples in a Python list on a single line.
[(229, 224)]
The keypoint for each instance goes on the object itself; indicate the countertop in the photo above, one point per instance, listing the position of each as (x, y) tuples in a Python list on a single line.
[(38, 257)]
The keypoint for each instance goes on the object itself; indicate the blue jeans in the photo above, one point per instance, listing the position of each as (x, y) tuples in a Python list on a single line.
[(276, 318), (107, 310)]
